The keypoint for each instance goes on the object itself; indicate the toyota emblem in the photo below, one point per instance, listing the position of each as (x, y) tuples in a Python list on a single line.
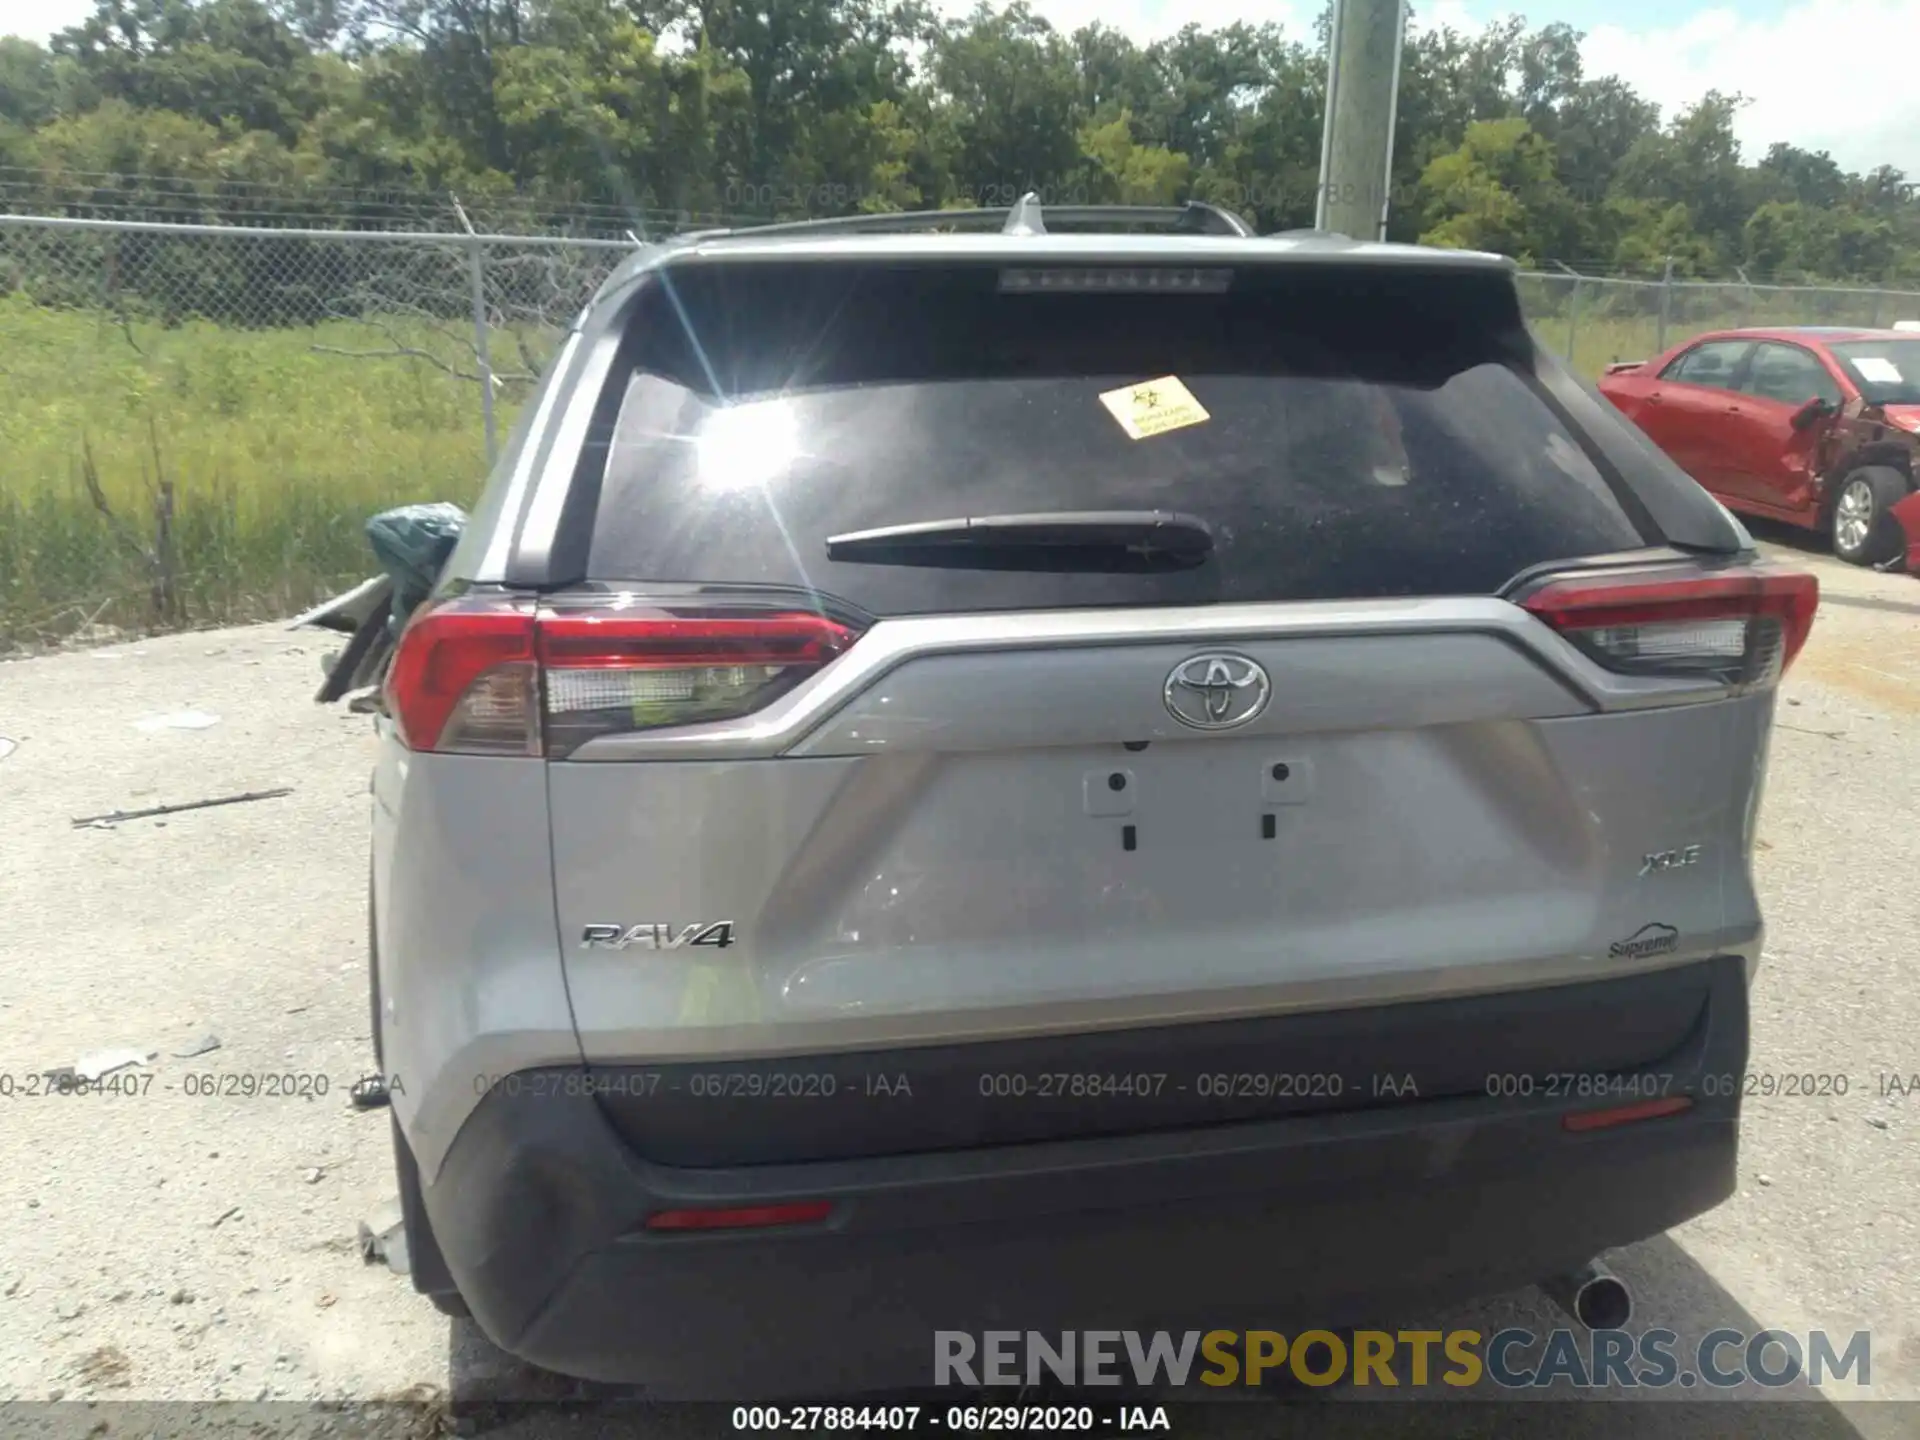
[(1217, 691)]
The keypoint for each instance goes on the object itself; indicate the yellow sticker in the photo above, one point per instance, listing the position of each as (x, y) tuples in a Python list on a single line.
[(1154, 407)]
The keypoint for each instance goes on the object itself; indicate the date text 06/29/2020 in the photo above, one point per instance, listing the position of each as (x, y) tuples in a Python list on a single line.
[(1059, 1419)]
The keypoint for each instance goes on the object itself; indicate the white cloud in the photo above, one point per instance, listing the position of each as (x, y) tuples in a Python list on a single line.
[(1777, 61), (39, 19), (1448, 14), (1801, 69)]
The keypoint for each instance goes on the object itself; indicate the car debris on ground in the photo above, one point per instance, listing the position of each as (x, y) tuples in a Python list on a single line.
[(383, 1237), (104, 1062), (369, 1093), (82, 822), (178, 720), (412, 544)]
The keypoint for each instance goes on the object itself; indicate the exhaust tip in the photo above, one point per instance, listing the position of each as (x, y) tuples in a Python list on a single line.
[(1593, 1295), (1604, 1304)]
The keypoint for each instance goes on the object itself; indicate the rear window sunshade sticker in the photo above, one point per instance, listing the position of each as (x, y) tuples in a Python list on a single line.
[(1154, 407)]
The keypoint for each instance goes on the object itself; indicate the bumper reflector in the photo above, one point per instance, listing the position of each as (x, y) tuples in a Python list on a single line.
[(1626, 1114), (751, 1217)]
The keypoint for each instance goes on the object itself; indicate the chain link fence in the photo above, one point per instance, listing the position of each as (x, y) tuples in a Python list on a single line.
[(1592, 321), (448, 301), (196, 420)]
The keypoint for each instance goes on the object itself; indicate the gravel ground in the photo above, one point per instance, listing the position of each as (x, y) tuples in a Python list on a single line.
[(170, 1246)]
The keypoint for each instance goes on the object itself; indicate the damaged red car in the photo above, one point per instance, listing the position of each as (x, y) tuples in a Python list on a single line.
[(1815, 426)]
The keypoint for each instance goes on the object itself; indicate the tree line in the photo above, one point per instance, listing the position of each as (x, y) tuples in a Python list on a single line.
[(585, 112)]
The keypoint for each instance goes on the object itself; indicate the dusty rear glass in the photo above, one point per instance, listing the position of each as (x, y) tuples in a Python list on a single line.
[(1364, 434)]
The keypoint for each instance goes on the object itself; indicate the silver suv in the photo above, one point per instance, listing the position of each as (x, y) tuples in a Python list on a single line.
[(1059, 771)]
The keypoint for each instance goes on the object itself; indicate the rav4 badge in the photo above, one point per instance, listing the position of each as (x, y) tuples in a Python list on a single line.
[(657, 935)]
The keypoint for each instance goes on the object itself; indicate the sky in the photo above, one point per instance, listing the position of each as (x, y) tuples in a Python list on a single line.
[(1782, 54)]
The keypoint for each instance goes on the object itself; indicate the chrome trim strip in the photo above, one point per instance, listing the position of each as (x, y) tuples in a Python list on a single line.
[(891, 643)]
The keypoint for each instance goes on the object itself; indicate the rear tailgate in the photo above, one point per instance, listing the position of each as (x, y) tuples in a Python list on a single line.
[(1167, 810)]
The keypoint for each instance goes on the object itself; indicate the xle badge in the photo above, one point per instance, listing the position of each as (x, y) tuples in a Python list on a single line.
[(657, 935), (1669, 860)]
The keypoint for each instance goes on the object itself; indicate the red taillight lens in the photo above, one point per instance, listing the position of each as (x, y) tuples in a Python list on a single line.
[(749, 1217), (609, 671), (463, 678), (493, 676), (1738, 627)]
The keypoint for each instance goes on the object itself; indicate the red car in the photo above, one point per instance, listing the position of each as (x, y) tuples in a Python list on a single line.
[(1819, 427)]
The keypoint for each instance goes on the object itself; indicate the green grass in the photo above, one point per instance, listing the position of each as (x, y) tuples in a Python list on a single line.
[(277, 455), (278, 452)]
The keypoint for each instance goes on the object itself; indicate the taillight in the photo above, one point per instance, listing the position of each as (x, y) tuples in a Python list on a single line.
[(463, 678), (498, 677), (1739, 627), (612, 671)]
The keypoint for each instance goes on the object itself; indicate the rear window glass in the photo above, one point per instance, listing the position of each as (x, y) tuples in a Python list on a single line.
[(1364, 435)]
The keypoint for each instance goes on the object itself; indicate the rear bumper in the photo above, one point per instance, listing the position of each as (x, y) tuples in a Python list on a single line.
[(1361, 1216)]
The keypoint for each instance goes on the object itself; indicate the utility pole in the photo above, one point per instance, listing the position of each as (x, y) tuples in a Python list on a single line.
[(1356, 141)]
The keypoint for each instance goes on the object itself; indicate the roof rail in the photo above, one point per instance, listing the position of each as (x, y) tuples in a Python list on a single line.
[(1027, 218)]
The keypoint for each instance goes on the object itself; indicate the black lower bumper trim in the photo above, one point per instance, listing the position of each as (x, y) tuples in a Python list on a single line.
[(1356, 1217), (1058, 1087)]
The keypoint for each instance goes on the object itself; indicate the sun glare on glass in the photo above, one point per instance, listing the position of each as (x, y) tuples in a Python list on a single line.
[(745, 446)]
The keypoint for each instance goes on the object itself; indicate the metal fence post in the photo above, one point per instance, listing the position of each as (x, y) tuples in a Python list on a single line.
[(476, 270), (1573, 320), (482, 353), (1666, 308), (1573, 309)]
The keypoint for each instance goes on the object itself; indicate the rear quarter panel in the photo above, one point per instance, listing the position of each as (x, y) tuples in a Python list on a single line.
[(471, 983), (1626, 391)]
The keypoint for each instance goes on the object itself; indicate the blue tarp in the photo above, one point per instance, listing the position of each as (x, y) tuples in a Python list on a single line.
[(413, 543)]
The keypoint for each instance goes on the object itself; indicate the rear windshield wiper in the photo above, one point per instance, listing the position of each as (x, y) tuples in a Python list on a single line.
[(1103, 540)]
